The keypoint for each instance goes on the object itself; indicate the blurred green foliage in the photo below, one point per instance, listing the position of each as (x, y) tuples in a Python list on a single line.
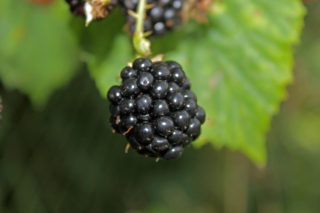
[(38, 53), (63, 158)]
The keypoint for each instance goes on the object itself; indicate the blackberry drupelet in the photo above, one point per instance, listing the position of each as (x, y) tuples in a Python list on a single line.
[(155, 109), (163, 15)]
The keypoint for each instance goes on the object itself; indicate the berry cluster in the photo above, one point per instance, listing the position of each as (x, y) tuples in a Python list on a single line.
[(162, 16), (155, 108)]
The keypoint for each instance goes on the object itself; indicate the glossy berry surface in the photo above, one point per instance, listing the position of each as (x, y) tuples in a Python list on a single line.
[(155, 108), (128, 72), (160, 89), (160, 108), (143, 103), (145, 80), (130, 87), (164, 15), (164, 126), (114, 94), (176, 101)]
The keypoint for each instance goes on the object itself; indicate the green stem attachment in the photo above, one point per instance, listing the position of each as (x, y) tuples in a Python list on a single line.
[(140, 43)]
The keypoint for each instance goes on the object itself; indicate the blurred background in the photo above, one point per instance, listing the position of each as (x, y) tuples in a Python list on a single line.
[(64, 157)]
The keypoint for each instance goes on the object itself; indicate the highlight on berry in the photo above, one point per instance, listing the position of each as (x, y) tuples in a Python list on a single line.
[(155, 109)]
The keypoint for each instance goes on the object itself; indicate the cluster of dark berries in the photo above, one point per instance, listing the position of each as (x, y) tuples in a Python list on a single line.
[(162, 16), (155, 108)]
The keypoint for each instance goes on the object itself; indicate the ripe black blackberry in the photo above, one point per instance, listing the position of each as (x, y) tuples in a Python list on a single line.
[(155, 109), (162, 17)]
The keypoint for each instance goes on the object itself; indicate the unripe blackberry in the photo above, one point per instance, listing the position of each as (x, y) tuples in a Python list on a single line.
[(162, 17), (155, 108)]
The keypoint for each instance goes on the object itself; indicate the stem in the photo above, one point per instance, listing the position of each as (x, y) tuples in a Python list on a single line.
[(140, 43), (141, 16)]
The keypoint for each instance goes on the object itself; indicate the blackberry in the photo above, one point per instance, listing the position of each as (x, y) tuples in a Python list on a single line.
[(155, 109), (162, 17)]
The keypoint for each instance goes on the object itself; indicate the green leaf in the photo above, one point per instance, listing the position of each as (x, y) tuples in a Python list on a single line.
[(38, 53), (240, 64)]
